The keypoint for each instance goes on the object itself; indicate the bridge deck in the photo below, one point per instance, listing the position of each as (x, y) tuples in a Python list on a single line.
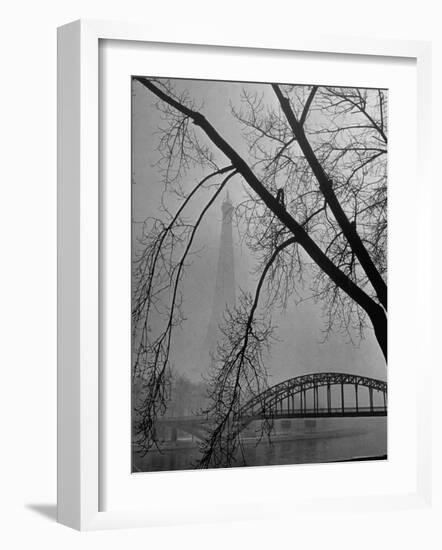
[(334, 412), (324, 412)]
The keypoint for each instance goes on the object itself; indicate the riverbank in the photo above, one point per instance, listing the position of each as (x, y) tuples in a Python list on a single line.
[(355, 440)]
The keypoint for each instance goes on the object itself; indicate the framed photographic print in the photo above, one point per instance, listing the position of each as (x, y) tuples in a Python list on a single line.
[(249, 378), (230, 215)]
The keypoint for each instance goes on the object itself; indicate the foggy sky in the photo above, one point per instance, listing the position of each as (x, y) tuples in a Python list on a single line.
[(300, 328)]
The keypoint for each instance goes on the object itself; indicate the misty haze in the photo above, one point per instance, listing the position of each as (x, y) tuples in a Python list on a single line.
[(259, 274)]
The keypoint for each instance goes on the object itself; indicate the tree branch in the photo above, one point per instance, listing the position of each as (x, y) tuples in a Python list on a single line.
[(313, 250), (326, 187), (159, 350), (213, 442), (307, 105)]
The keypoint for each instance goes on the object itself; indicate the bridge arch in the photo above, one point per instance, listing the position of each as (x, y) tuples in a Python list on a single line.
[(266, 403)]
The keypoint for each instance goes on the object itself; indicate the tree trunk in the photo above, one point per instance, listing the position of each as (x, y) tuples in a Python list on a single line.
[(379, 321)]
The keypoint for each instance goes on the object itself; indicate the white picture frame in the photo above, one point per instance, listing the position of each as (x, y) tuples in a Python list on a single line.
[(79, 464)]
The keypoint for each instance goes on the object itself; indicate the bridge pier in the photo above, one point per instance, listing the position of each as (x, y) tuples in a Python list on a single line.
[(370, 393), (173, 434)]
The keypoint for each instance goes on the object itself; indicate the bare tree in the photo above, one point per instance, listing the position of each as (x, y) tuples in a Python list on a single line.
[(316, 201)]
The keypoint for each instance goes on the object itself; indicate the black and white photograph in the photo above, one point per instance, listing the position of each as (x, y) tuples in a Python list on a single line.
[(203, 206), (259, 273)]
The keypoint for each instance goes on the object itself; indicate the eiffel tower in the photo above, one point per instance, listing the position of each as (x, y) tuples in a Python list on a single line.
[(224, 295)]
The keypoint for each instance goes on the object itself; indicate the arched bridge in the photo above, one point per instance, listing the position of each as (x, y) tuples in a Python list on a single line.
[(318, 395), (300, 397)]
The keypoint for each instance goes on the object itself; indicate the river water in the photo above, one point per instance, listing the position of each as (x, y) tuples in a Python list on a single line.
[(293, 442)]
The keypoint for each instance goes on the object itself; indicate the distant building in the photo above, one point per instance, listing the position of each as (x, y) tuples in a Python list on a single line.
[(224, 295)]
